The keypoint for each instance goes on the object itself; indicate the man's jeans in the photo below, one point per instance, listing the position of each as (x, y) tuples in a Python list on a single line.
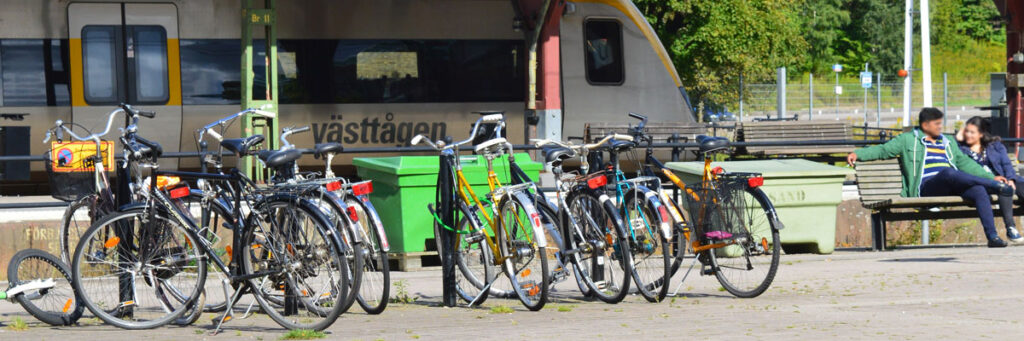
[(949, 181)]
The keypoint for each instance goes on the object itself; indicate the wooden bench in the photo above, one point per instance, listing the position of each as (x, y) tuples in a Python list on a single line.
[(660, 131), (793, 131), (880, 183)]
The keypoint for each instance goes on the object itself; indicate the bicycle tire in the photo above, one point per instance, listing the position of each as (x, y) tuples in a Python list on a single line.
[(513, 240), (376, 261), (649, 246), (219, 217), (601, 230), (556, 242), (70, 309), (756, 196), (352, 249), (69, 234), (278, 247), (97, 250)]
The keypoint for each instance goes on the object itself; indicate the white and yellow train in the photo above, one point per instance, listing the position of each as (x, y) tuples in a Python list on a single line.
[(362, 72)]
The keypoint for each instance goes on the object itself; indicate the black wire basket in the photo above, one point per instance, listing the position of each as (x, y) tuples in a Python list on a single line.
[(717, 209)]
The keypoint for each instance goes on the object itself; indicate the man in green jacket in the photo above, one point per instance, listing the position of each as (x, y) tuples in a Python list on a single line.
[(933, 165)]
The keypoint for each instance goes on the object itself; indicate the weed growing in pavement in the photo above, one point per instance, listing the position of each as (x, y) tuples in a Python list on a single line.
[(18, 325), (198, 331), (402, 293), (501, 309), (302, 334), (565, 308)]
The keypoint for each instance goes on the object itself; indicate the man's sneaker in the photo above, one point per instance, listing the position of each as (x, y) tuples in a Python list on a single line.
[(996, 242), (1013, 235)]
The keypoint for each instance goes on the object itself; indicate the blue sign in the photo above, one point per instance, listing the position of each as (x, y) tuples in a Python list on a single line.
[(865, 79), (837, 67)]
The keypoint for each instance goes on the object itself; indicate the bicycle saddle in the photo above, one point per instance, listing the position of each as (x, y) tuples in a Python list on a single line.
[(556, 154), (491, 145), (322, 149), (278, 158), (242, 146), (710, 144)]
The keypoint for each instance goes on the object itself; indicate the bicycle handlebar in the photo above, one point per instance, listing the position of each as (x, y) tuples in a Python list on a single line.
[(208, 129), (492, 118), (288, 132)]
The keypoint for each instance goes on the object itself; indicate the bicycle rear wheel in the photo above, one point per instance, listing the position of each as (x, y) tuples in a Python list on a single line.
[(599, 258), (376, 277), (649, 247), (57, 305), (123, 259), (301, 265), (747, 268), (526, 264), (77, 218)]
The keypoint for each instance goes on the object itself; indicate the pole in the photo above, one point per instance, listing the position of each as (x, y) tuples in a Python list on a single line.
[(866, 98), (836, 91), (878, 102), (810, 96), (924, 231), (926, 56), (780, 97), (741, 98), (945, 95), (908, 49)]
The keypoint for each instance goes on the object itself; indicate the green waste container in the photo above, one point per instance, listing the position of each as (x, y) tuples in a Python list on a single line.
[(403, 186), (804, 193)]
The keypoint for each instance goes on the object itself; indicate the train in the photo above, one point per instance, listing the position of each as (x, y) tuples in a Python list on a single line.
[(360, 72)]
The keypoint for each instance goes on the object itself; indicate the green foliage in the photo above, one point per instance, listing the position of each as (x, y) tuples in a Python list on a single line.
[(302, 334), (17, 325), (822, 29), (402, 293), (501, 309)]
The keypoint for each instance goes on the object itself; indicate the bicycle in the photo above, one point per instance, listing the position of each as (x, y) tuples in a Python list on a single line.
[(734, 224), (41, 283), (90, 195), (590, 222), (515, 221), (280, 247), (645, 217)]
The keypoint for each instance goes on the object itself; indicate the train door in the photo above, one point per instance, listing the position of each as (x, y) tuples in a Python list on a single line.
[(613, 63), (126, 53)]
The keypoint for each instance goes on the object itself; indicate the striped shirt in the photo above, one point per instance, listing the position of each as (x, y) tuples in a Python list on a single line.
[(935, 158)]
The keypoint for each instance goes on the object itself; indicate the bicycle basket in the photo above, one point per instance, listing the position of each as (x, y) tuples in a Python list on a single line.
[(718, 208), (70, 168)]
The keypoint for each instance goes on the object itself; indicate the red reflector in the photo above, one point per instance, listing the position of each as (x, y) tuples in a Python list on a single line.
[(597, 182), (536, 218), (664, 214), (353, 215), (755, 182), (333, 186), (362, 188), (179, 192), (718, 170)]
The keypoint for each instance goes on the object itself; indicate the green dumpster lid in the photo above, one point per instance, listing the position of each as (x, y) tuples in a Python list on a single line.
[(412, 165), (786, 168)]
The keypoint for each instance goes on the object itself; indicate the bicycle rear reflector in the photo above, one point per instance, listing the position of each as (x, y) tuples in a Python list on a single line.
[(536, 218), (597, 182), (179, 192), (755, 182), (352, 214), (362, 188), (333, 186)]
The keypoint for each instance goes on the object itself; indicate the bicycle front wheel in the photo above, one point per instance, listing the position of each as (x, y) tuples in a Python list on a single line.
[(124, 259), (376, 276), (601, 257), (57, 305), (747, 268), (525, 261), (77, 218)]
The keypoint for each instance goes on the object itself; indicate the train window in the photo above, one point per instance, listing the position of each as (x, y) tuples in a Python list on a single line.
[(99, 58), (603, 51), (33, 72), (148, 46), (210, 71)]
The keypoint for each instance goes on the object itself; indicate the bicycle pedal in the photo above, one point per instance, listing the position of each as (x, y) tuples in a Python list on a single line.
[(707, 270)]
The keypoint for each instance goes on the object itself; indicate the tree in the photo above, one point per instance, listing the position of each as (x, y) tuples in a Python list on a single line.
[(712, 43), (879, 25), (822, 29)]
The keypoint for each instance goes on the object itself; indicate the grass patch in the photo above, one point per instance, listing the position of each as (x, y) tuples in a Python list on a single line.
[(18, 325), (302, 334), (501, 309), (565, 308)]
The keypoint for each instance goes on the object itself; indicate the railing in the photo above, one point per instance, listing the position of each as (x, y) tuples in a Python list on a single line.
[(676, 147)]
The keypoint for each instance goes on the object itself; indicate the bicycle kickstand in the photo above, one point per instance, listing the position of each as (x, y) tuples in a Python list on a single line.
[(674, 292), (230, 304), (484, 291)]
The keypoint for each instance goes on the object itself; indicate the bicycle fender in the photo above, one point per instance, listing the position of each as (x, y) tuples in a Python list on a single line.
[(538, 226), (661, 211), (609, 206), (762, 198), (376, 220)]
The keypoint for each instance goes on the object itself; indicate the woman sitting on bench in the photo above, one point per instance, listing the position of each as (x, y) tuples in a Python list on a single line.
[(977, 142)]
